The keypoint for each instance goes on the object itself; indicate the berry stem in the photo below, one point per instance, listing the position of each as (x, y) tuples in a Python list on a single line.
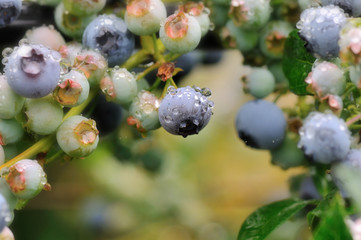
[(167, 84), (353, 120), (136, 59), (43, 145), (172, 82), (157, 56)]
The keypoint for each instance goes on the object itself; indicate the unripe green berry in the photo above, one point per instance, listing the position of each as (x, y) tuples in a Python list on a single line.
[(10, 131), (26, 179), (78, 136), (44, 115), (11, 103)]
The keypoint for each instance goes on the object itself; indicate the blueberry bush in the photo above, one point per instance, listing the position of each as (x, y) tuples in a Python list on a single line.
[(73, 78)]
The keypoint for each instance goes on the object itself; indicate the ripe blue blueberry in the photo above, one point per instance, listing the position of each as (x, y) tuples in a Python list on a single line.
[(185, 111), (109, 35), (33, 71), (9, 11), (4, 212), (320, 28), (261, 124), (352, 7), (325, 138)]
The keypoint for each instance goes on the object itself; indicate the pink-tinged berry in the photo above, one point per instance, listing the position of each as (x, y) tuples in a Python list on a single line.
[(199, 12), (119, 85), (26, 179), (11, 103), (143, 112), (45, 35), (350, 42), (7, 234), (143, 17), (78, 136), (92, 64), (326, 78), (72, 90), (69, 52), (180, 33)]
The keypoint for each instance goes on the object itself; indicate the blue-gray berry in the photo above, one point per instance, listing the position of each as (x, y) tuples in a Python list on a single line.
[(185, 111)]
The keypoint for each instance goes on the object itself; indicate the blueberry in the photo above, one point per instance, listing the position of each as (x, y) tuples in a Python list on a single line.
[(180, 33), (199, 12), (26, 179), (11, 103), (250, 14), (10, 131), (261, 124), (325, 138), (43, 115), (4, 212), (119, 85), (308, 189), (185, 111), (143, 112), (109, 35), (33, 71), (260, 82), (326, 78), (69, 24), (350, 42), (273, 38), (9, 11), (143, 17), (320, 28), (45, 35), (84, 8), (73, 89), (78, 136), (352, 7)]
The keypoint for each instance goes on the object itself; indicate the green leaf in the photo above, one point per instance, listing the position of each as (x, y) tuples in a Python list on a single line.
[(297, 63), (332, 225), (264, 220), (321, 208)]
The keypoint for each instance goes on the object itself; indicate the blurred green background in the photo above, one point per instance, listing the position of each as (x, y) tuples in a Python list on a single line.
[(205, 188)]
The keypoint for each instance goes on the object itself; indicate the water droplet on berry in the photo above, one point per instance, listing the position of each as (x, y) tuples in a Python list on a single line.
[(7, 52), (168, 119), (23, 41), (171, 90)]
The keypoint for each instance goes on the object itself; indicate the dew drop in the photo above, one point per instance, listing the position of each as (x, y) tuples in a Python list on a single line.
[(7, 52)]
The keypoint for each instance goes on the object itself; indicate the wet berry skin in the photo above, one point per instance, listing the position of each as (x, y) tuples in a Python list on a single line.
[(33, 71), (185, 111), (9, 11), (109, 35), (261, 124)]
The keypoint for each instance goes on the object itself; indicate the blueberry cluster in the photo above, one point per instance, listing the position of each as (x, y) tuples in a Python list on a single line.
[(49, 87)]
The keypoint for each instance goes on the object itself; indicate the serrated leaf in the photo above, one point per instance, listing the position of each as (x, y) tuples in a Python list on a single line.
[(297, 63), (264, 220), (332, 225)]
